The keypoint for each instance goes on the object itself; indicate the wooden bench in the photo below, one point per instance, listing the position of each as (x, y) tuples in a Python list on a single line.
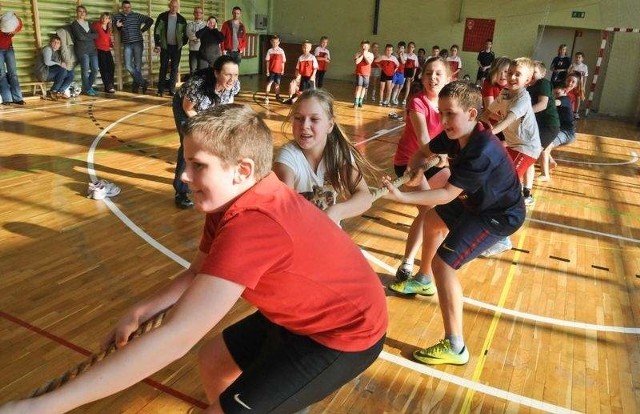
[(42, 86)]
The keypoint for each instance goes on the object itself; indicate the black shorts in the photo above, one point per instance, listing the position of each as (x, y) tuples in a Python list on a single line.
[(283, 372), (385, 78), (548, 134), (409, 73), (400, 169), (305, 83)]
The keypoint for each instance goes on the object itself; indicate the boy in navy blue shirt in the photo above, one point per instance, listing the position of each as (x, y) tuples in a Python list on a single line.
[(480, 204)]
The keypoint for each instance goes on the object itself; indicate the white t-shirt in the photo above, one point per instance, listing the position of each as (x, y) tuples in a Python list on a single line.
[(581, 68), (305, 178), (522, 134)]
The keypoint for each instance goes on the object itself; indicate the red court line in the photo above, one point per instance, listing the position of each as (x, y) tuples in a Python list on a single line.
[(155, 384)]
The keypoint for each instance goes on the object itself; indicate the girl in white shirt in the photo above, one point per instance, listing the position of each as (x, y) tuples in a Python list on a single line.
[(322, 155)]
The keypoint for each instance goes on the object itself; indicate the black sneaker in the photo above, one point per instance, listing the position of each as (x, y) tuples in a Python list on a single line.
[(183, 201), (145, 84), (19, 102), (159, 93), (402, 274), (135, 88)]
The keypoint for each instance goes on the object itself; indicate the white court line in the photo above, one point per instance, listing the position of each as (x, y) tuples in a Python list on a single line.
[(522, 315), (137, 230), (634, 158), (578, 229), (541, 405), (476, 386)]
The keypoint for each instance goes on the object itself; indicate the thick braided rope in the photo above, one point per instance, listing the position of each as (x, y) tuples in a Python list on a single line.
[(55, 383), (431, 162)]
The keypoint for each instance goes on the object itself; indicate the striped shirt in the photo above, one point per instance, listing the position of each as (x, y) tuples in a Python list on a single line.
[(134, 24)]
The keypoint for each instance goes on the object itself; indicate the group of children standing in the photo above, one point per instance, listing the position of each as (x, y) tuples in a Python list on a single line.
[(392, 72), (310, 68)]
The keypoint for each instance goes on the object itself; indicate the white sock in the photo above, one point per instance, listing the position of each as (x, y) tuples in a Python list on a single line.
[(407, 264)]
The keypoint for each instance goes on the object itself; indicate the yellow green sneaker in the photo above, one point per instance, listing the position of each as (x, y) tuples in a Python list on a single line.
[(411, 287), (441, 353)]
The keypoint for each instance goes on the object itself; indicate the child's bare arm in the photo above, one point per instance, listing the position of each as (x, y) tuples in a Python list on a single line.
[(284, 173), (436, 196), (359, 202), (419, 123), (163, 299), (502, 125), (201, 307), (541, 105)]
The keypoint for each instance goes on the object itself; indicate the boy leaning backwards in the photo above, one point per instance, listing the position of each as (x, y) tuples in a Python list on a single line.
[(321, 311), (480, 204)]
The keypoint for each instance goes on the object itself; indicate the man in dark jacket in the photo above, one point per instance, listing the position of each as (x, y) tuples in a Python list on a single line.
[(169, 35)]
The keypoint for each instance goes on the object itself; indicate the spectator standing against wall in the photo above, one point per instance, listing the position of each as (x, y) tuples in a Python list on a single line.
[(235, 36), (131, 26), (169, 35), (84, 41), (485, 58), (198, 23), (104, 44), (10, 24)]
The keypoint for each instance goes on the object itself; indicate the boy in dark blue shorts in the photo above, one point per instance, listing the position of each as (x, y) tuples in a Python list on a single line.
[(480, 204)]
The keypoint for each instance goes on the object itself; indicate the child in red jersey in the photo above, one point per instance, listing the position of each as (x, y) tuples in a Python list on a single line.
[(275, 60), (388, 65), (306, 69), (263, 242), (363, 60), (324, 58)]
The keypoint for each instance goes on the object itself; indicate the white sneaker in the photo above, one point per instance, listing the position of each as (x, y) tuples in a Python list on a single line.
[(97, 191), (501, 246), (266, 100), (529, 200), (100, 189)]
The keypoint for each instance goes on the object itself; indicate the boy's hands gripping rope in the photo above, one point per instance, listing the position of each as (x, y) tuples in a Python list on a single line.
[(411, 178)]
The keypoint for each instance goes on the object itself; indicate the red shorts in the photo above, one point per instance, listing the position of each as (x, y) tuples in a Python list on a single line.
[(520, 161)]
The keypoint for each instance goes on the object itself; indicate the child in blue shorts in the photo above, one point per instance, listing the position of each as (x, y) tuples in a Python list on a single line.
[(398, 77), (480, 204)]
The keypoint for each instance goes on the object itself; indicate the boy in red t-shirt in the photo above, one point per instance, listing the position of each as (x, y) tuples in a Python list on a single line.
[(363, 60), (306, 69), (323, 56), (275, 60), (388, 65), (266, 244)]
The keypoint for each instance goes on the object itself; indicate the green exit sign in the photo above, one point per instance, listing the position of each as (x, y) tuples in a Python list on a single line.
[(577, 14)]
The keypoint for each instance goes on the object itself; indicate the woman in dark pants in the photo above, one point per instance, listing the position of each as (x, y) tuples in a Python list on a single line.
[(204, 89)]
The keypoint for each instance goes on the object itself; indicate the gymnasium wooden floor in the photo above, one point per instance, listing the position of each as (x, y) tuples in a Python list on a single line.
[(552, 325)]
